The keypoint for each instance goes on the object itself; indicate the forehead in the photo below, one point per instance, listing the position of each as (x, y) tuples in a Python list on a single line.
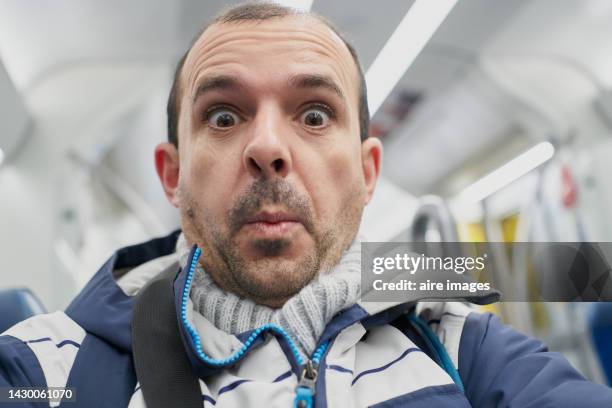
[(299, 42)]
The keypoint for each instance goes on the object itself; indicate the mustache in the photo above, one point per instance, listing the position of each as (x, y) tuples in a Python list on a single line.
[(267, 191)]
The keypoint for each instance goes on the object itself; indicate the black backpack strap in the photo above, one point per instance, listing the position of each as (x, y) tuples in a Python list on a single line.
[(163, 369)]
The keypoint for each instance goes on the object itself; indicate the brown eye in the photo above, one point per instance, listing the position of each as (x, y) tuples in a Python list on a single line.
[(315, 118), (223, 118)]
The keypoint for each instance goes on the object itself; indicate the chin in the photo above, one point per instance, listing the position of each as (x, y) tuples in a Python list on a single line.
[(287, 248), (278, 277)]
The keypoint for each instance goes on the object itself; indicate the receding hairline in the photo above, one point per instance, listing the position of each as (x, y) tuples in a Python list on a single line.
[(223, 20), (298, 14)]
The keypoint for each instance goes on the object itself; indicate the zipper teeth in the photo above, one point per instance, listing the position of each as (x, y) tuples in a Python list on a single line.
[(195, 337), (319, 352)]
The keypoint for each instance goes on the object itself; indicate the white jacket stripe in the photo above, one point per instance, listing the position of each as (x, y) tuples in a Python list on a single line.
[(55, 340)]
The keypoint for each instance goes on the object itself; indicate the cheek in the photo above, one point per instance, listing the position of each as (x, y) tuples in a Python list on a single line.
[(332, 179), (206, 175)]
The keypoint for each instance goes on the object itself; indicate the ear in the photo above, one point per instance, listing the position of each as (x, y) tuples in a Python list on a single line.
[(371, 156), (167, 166)]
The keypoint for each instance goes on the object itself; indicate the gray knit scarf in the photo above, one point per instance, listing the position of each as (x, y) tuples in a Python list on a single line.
[(304, 316)]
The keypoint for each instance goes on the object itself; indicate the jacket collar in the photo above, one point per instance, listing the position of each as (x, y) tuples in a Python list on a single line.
[(102, 308)]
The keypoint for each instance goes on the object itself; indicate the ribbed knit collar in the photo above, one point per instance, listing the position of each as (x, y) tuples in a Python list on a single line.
[(304, 316)]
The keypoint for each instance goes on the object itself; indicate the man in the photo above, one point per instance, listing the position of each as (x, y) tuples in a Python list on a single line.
[(269, 163)]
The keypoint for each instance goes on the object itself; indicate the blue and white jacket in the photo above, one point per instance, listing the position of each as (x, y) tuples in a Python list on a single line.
[(369, 355)]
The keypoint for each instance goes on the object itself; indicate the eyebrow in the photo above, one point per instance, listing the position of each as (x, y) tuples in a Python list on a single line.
[(304, 81), (216, 83), (313, 81)]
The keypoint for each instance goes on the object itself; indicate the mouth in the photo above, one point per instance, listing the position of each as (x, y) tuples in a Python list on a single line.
[(272, 225)]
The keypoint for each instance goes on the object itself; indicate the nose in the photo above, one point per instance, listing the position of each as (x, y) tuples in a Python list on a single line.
[(267, 152)]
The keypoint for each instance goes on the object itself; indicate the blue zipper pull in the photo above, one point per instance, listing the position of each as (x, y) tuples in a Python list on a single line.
[(305, 390)]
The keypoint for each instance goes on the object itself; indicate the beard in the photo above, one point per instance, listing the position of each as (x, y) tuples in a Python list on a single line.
[(272, 276)]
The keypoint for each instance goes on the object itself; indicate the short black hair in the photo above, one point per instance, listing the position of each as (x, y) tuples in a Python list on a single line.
[(252, 12)]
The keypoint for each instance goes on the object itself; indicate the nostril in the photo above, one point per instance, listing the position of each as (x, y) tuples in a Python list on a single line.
[(278, 165), (257, 167), (254, 164)]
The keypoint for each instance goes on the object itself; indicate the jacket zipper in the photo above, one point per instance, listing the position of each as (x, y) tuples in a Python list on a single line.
[(306, 388)]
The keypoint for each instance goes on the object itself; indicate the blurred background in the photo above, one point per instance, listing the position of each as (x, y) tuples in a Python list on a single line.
[(496, 118)]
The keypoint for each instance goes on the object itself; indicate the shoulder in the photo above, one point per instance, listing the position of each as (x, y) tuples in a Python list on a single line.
[(501, 366), (40, 350)]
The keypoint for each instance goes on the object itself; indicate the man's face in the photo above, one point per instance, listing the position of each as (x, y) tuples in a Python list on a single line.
[(272, 178)]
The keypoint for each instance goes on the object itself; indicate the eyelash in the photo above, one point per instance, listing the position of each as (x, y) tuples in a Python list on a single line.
[(208, 112), (330, 112)]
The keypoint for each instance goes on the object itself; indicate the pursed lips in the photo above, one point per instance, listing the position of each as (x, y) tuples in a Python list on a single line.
[(272, 224)]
